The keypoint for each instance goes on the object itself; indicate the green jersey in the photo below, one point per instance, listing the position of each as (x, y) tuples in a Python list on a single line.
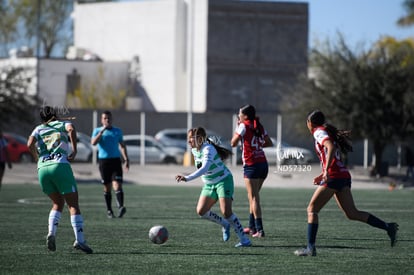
[(52, 143), (210, 166)]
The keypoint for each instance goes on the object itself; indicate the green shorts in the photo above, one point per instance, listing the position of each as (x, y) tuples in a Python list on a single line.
[(222, 189), (57, 178)]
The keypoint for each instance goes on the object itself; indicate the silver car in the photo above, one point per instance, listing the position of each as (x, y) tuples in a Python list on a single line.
[(85, 149), (154, 151), (177, 137)]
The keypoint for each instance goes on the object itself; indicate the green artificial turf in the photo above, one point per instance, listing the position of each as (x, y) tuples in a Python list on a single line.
[(195, 246)]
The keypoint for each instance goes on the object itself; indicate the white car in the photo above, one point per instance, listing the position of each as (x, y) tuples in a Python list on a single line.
[(286, 154), (154, 151), (85, 149), (177, 137)]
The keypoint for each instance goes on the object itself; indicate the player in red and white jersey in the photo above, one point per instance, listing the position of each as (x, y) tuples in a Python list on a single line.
[(253, 137), (252, 145), (336, 168), (334, 180)]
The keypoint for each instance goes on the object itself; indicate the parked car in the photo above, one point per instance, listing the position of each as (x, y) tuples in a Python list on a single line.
[(154, 151), (177, 137), (286, 154), (17, 148), (85, 149)]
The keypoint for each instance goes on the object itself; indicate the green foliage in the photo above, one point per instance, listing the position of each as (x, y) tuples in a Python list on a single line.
[(370, 92), (7, 27), (96, 94), (121, 246), (14, 100), (46, 22), (29, 22), (408, 18)]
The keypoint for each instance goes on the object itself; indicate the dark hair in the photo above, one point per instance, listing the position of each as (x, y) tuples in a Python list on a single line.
[(107, 113), (341, 137), (250, 112), (47, 114), (200, 131)]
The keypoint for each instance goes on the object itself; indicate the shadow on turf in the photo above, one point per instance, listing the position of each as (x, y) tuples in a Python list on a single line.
[(146, 252), (97, 181), (244, 251)]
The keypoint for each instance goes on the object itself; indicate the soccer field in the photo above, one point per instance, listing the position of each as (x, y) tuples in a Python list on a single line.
[(195, 246)]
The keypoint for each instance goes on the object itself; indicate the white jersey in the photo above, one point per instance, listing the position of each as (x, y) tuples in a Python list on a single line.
[(210, 166)]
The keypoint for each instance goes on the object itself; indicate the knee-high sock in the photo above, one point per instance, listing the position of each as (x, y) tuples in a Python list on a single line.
[(259, 224), (375, 222), (211, 216), (312, 232), (120, 198), (54, 218), (252, 224), (108, 200), (238, 228), (77, 225)]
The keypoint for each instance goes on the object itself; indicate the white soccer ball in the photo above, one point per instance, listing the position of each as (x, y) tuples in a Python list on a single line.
[(158, 234)]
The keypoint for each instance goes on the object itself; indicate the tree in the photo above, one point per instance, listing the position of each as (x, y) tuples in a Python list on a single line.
[(33, 23), (14, 100), (408, 19), (46, 23), (370, 92), (7, 26)]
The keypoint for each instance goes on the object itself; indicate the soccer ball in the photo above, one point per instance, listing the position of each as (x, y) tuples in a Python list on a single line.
[(158, 234)]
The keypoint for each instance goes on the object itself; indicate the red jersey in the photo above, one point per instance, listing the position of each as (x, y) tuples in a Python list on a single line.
[(337, 169), (252, 146)]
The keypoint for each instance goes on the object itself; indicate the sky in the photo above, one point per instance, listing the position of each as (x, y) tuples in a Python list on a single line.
[(360, 21)]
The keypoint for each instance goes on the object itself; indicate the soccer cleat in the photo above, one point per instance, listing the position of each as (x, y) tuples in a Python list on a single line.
[(392, 232), (122, 211), (83, 247), (51, 243), (110, 214), (226, 232), (306, 252), (244, 243), (259, 234)]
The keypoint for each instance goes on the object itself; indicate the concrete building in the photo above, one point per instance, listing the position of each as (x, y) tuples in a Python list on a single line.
[(54, 81), (173, 56), (203, 55)]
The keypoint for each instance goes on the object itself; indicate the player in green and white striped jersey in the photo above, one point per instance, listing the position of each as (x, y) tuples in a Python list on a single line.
[(218, 184), (56, 175)]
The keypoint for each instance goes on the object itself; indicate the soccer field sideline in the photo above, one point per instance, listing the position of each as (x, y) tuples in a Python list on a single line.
[(292, 176)]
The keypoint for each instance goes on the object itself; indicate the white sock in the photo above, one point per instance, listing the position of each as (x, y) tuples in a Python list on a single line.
[(54, 218), (211, 216), (77, 224), (238, 228)]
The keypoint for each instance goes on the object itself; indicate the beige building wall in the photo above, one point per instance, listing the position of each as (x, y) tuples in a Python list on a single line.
[(156, 32)]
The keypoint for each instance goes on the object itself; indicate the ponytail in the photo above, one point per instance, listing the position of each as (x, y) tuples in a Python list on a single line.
[(341, 137), (223, 152), (257, 127), (201, 132)]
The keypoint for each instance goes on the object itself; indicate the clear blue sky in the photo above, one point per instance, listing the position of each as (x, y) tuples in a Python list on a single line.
[(360, 21)]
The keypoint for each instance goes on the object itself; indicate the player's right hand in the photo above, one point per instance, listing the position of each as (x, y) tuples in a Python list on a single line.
[(317, 180)]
